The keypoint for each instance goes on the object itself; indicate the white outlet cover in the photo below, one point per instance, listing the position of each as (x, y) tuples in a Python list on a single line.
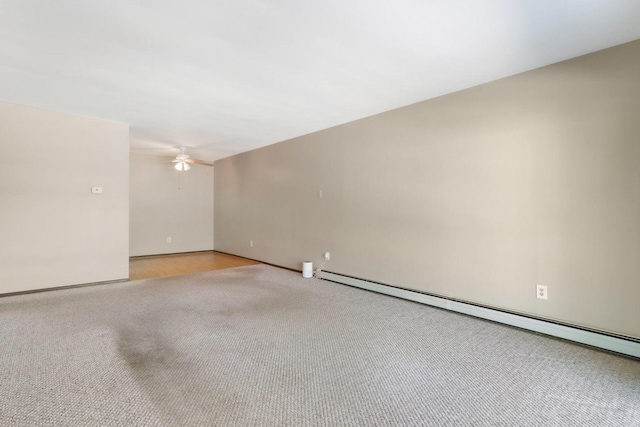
[(541, 292)]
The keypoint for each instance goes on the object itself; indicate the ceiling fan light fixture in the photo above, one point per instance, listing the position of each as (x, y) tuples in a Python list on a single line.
[(183, 161), (182, 166)]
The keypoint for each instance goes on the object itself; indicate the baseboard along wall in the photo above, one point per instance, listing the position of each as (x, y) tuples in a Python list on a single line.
[(622, 345), (60, 288)]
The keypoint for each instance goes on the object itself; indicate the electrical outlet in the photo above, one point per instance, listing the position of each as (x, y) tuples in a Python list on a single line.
[(327, 256), (251, 243), (168, 239), (541, 292), (320, 194)]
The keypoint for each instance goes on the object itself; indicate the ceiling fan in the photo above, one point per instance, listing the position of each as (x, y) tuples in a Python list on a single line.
[(183, 161)]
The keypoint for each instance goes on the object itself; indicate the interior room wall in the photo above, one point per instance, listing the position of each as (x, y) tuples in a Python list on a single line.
[(168, 203), (55, 232), (479, 195)]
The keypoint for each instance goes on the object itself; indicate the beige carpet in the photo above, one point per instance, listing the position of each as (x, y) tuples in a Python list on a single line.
[(260, 346)]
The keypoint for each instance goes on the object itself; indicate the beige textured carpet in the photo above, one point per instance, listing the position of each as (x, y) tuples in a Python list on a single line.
[(261, 346)]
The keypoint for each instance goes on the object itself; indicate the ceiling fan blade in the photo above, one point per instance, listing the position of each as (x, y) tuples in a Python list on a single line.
[(185, 160), (200, 162)]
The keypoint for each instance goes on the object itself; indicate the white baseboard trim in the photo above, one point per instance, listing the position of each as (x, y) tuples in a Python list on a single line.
[(628, 347)]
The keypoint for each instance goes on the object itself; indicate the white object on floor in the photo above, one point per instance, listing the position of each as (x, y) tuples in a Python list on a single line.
[(307, 269)]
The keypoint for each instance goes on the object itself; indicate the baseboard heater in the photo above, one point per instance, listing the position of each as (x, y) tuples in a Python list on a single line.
[(622, 345)]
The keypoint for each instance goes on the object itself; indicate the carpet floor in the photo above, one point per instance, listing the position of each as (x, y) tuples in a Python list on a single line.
[(260, 346)]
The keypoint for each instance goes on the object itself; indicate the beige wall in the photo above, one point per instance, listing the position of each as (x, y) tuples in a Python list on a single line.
[(55, 232), (478, 195), (167, 203)]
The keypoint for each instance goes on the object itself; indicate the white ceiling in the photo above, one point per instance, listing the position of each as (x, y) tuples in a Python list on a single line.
[(226, 76)]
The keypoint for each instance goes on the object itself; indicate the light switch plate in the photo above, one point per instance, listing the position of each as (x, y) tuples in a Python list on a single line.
[(96, 190)]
